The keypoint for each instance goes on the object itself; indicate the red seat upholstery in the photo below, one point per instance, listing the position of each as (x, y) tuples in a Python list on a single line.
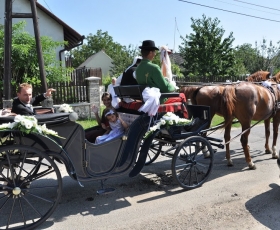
[(163, 108)]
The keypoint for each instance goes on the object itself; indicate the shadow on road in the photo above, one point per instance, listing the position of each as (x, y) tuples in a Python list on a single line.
[(154, 182), (265, 207)]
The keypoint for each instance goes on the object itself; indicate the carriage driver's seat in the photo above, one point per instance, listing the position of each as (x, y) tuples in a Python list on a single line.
[(176, 102)]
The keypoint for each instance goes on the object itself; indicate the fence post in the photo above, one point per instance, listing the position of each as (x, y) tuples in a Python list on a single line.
[(93, 91)]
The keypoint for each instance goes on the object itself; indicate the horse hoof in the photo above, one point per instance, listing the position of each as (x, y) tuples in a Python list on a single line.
[(252, 166), (275, 156), (206, 154), (230, 163), (268, 151)]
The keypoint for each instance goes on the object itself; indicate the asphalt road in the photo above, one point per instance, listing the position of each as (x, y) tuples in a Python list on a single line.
[(232, 198)]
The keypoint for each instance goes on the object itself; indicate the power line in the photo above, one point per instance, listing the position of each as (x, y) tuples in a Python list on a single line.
[(230, 11), (246, 7), (256, 5), (47, 5)]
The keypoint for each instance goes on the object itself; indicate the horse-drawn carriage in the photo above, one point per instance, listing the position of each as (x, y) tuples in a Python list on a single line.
[(31, 182)]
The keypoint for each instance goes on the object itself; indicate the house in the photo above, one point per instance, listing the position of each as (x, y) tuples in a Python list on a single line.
[(98, 60), (176, 58), (49, 25)]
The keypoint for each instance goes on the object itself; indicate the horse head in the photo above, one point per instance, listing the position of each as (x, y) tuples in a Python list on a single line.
[(258, 76), (276, 78)]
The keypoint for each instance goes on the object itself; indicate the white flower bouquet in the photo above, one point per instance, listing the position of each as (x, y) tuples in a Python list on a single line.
[(28, 124), (167, 120), (65, 108)]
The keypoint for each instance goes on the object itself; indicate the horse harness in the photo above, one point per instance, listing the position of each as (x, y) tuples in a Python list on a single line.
[(276, 102)]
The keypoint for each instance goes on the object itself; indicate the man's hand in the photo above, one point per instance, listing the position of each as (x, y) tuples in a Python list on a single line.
[(49, 92)]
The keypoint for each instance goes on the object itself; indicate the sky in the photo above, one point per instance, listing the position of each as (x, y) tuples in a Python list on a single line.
[(129, 22)]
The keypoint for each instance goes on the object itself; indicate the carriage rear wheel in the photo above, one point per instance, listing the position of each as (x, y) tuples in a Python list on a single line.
[(154, 151), (30, 187), (192, 162)]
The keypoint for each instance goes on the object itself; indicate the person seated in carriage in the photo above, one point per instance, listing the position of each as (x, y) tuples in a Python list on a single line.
[(150, 74), (117, 126), (128, 76), (103, 124), (24, 101)]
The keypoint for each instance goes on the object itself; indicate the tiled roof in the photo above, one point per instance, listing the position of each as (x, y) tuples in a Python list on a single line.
[(176, 58)]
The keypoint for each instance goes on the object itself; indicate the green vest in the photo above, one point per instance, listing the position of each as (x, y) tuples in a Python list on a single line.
[(150, 74)]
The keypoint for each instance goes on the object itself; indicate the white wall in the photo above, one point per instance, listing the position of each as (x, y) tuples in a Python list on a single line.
[(99, 60), (102, 61), (47, 26)]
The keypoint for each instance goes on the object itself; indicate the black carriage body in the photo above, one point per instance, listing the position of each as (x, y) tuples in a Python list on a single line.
[(84, 160)]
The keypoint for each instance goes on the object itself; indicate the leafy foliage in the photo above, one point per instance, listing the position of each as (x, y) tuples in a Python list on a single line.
[(262, 57), (206, 52), (122, 56), (24, 58)]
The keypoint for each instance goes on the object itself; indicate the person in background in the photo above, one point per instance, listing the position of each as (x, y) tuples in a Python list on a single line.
[(103, 124), (110, 89), (128, 76), (24, 102), (117, 126)]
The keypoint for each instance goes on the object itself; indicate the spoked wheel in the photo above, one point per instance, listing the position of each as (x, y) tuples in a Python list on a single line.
[(30, 187), (192, 162), (154, 151)]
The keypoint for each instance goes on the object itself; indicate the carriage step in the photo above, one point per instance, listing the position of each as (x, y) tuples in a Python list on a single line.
[(105, 191)]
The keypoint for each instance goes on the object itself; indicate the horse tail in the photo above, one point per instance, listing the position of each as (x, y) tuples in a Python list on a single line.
[(228, 102)]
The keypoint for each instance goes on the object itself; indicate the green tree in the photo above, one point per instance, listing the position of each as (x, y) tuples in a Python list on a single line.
[(122, 56), (247, 55), (262, 57), (205, 51), (267, 55), (24, 58)]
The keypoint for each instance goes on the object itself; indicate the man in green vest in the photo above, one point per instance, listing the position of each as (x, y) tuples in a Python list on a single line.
[(150, 74)]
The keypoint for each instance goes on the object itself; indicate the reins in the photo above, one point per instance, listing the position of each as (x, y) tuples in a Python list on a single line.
[(243, 132)]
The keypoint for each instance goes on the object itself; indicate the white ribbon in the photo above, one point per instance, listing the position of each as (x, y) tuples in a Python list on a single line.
[(151, 98)]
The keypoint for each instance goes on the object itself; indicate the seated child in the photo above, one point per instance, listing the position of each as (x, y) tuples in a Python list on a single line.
[(117, 126)]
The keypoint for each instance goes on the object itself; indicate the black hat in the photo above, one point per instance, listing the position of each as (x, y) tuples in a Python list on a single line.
[(148, 45)]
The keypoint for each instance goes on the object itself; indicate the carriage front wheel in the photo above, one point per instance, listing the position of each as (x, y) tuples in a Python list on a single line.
[(192, 162), (30, 187)]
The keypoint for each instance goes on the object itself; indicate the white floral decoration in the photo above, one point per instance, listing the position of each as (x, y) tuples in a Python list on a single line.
[(65, 108), (167, 120), (28, 124)]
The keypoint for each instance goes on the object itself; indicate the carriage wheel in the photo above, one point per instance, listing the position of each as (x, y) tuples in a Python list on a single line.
[(30, 187), (192, 162), (154, 151)]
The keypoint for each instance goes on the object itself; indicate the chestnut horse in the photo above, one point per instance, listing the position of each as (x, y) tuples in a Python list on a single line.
[(260, 76), (244, 100)]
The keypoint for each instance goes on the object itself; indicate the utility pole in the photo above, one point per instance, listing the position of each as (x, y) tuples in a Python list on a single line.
[(9, 15), (7, 102)]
